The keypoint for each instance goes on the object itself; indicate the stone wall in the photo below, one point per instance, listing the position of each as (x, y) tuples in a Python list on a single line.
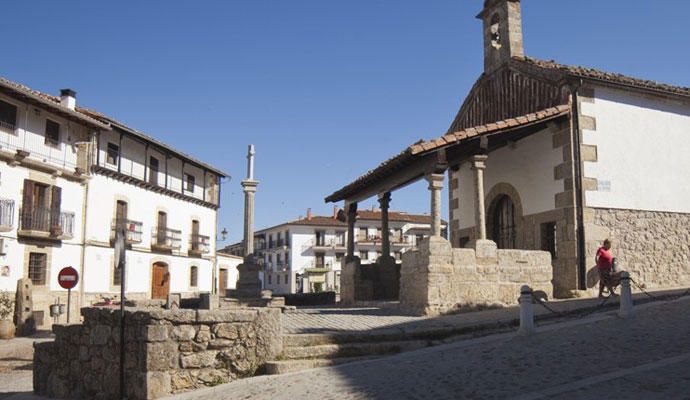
[(436, 278), (167, 351), (653, 246)]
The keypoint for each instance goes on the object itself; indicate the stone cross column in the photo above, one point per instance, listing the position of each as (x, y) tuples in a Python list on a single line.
[(479, 165), (435, 186), (384, 201), (351, 219), (249, 187)]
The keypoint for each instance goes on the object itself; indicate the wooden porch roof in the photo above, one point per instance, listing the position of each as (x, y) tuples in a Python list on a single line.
[(420, 158)]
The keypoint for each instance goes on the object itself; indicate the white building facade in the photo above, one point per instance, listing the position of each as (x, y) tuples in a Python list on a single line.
[(306, 255), (70, 176)]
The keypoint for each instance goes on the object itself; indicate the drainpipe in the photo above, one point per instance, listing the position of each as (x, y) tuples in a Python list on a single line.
[(84, 209), (579, 196)]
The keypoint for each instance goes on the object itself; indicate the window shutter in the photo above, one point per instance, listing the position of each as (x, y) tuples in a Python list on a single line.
[(27, 203), (55, 200)]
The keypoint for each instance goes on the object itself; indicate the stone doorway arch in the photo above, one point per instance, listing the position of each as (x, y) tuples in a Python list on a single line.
[(504, 216)]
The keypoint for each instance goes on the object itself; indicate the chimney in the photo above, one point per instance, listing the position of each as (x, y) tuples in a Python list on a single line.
[(335, 212), (502, 32), (68, 98), (309, 214)]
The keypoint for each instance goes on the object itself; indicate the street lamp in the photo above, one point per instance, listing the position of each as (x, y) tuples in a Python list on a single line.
[(223, 234)]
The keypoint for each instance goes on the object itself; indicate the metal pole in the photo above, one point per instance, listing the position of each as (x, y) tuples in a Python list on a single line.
[(69, 298), (121, 265)]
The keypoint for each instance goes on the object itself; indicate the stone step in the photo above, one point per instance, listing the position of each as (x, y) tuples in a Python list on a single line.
[(343, 350), (388, 335), (287, 366)]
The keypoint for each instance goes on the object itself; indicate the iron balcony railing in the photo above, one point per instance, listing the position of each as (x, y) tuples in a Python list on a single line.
[(133, 230), (7, 126), (46, 220), (199, 244), (166, 238), (6, 214)]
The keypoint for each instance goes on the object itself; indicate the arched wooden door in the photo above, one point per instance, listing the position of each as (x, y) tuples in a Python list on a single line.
[(160, 281), (503, 229)]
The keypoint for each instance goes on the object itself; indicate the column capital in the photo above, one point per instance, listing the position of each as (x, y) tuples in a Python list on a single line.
[(479, 161), (435, 181), (249, 185), (385, 199)]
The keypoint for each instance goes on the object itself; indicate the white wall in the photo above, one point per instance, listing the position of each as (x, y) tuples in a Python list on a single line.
[(643, 148), (529, 167), (143, 206), (230, 264)]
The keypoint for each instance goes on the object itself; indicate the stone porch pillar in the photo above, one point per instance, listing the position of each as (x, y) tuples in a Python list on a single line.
[(351, 209), (479, 165), (435, 186), (384, 201)]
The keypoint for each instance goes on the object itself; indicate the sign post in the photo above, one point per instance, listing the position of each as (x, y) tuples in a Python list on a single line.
[(120, 235), (68, 278)]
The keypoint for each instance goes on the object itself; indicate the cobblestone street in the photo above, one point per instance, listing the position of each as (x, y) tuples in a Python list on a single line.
[(647, 357)]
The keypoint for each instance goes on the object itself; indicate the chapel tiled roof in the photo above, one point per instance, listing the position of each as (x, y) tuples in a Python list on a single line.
[(95, 118), (595, 74), (422, 147)]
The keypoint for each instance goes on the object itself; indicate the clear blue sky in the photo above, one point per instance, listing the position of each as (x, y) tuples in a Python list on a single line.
[(325, 89)]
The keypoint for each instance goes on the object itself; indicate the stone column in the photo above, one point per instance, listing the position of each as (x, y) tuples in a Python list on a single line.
[(435, 186), (479, 165), (384, 201), (249, 187), (351, 209)]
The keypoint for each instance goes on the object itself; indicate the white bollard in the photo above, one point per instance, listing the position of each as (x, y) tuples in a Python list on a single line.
[(526, 312), (626, 306)]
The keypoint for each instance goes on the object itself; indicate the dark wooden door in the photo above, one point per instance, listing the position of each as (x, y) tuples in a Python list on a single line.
[(504, 231), (160, 281), (222, 282), (153, 170)]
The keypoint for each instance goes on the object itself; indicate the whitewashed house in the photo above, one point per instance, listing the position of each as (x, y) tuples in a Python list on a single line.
[(306, 255), (70, 176)]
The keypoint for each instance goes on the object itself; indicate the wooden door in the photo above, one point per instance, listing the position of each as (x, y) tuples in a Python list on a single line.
[(222, 282), (160, 281)]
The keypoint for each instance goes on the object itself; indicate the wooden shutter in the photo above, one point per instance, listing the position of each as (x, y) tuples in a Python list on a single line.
[(55, 200), (27, 204)]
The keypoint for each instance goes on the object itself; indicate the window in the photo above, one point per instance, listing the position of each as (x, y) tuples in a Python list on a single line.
[(548, 238), (339, 257), (161, 229), (340, 238), (287, 238), (495, 31), (363, 255), (8, 116), (320, 260), (194, 276), (269, 279), (362, 234), (398, 256), (113, 154), (37, 268), (189, 183), (52, 133), (153, 170), (320, 238)]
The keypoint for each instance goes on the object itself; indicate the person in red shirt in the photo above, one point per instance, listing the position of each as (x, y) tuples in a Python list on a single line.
[(604, 260)]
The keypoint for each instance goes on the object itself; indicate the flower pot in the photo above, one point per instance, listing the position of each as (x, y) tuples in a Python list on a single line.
[(7, 329)]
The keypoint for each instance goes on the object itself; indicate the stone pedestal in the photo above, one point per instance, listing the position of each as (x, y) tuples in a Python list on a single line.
[(248, 284), (389, 278), (425, 277), (23, 308), (347, 280)]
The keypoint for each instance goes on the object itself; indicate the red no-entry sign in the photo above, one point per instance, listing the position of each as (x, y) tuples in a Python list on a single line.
[(68, 278)]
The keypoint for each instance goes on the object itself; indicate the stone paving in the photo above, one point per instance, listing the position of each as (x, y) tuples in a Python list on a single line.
[(646, 357)]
